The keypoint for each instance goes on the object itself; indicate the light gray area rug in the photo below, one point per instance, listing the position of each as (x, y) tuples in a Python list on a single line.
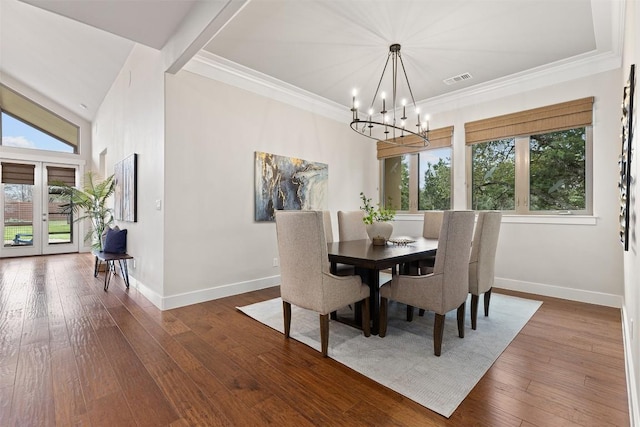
[(403, 360)]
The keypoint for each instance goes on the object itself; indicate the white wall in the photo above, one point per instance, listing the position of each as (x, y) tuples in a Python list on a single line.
[(580, 261), (631, 309), (131, 120), (213, 247)]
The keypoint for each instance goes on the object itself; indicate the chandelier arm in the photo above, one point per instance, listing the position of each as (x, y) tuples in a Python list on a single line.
[(406, 78), (384, 70), (354, 125)]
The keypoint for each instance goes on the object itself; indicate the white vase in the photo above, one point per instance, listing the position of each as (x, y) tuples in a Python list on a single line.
[(379, 232)]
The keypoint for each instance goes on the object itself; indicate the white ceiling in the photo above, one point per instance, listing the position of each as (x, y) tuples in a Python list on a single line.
[(72, 50)]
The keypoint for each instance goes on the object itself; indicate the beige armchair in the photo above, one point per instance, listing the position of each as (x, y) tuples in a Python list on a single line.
[(482, 261), (351, 226), (431, 226), (444, 289), (341, 269), (304, 272)]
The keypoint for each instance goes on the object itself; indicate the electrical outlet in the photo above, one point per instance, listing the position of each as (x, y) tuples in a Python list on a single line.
[(133, 263), (276, 262)]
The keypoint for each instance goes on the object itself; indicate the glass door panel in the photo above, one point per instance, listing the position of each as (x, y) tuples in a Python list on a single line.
[(59, 230), (18, 215)]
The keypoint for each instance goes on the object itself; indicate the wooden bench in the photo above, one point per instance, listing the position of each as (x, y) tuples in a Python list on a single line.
[(110, 259)]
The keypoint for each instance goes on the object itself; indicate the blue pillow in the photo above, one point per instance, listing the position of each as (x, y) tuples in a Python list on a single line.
[(115, 242)]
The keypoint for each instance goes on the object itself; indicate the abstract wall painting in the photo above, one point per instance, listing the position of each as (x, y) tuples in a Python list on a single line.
[(626, 136), (288, 183), (126, 192)]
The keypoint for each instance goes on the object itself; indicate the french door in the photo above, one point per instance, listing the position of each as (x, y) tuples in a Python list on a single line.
[(34, 220)]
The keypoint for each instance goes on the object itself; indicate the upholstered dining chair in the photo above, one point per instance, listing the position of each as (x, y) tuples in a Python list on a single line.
[(483, 260), (351, 226), (305, 280), (431, 226), (341, 269), (446, 287)]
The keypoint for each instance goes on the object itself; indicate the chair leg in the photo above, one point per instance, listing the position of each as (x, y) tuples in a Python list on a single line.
[(421, 312), (409, 313), (474, 311), (438, 333), (382, 329), (366, 317), (461, 311), (324, 333), (487, 299), (286, 310)]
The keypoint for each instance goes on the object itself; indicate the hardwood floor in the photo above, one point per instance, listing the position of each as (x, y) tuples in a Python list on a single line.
[(72, 354)]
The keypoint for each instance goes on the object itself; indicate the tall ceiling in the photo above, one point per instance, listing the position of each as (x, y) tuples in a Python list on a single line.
[(72, 50)]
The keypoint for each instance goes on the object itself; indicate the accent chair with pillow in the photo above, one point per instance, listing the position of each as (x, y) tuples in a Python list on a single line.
[(447, 287), (304, 272)]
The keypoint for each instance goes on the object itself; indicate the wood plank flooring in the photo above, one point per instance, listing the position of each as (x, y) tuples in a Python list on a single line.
[(72, 354)]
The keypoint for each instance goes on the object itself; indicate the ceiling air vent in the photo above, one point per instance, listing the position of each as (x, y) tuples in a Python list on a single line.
[(457, 79)]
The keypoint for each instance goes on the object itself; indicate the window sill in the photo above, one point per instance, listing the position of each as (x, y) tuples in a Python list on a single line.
[(525, 219)]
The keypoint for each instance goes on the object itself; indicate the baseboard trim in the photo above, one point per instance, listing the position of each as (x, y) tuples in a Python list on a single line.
[(188, 298), (632, 389), (195, 297), (580, 295), (148, 293)]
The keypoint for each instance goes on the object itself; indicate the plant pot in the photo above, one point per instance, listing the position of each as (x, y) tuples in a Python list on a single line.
[(379, 232)]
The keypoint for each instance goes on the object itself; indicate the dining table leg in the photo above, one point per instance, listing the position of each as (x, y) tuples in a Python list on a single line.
[(372, 278)]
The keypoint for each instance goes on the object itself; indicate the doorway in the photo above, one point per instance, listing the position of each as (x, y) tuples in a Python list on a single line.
[(34, 213)]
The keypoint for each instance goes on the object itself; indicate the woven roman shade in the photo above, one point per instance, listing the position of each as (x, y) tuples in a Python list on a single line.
[(438, 138), (37, 116), (65, 175), (17, 173), (566, 115)]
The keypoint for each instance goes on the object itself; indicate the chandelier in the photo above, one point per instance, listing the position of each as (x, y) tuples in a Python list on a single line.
[(394, 127)]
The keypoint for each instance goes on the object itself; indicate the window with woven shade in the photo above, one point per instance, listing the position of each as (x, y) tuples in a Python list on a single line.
[(532, 162), (416, 177)]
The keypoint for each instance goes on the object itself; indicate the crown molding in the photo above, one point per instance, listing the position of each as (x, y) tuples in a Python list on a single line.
[(212, 66), (548, 75), (215, 67)]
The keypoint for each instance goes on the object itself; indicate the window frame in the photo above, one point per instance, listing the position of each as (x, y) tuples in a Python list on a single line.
[(441, 138), (522, 176)]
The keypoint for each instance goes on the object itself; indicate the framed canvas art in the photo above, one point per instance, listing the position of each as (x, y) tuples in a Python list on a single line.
[(125, 197), (288, 183), (626, 137)]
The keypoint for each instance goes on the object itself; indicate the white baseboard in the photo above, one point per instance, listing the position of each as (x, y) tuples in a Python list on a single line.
[(580, 295), (195, 297), (148, 293), (632, 389), (188, 298)]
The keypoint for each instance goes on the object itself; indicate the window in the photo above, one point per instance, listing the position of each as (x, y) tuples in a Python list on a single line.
[(546, 171), (16, 133), (493, 175), (25, 124), (434, 172), (414, 177)]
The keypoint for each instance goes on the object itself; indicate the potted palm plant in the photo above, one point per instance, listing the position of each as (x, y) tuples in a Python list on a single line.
[(90, 202), (376, 220)]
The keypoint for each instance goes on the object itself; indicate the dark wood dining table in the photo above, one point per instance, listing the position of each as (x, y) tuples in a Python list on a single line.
[(369, 260)]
